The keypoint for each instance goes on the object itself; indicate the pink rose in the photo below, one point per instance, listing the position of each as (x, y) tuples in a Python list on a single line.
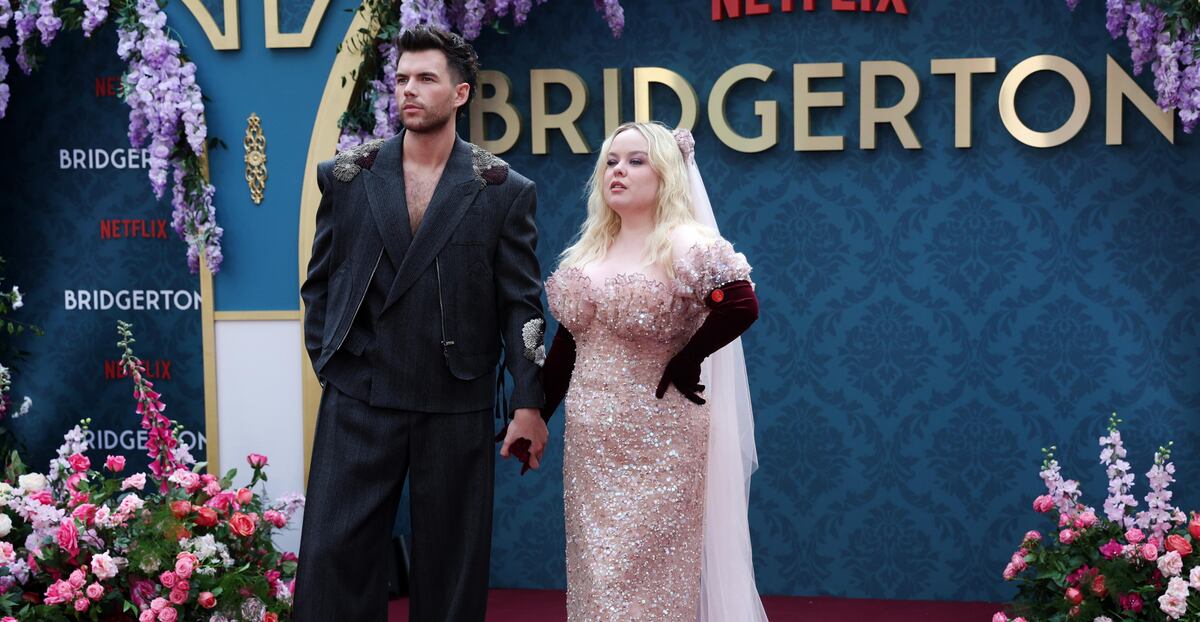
[(77, 579), (1043, 504), (1073, 595), (275, 518), (103, 566), (79, 462), (257, 461), (212, 489), (1066, 536), (244, 496), (1010, 572), (1085, 520), (207, 600), (167, 615), (116, 464), (137, 480), (147, 616), (184, 567), (241, 524), (1018, 619), (206, 517), (8, 619), (82, 604), (1134, 535), (158, 604), (1064, 520), (178, 596), (68, 537), (85, 513), (1149, 552), (43, 497), (999, 617), (168, 579), (1031, 537), (95, 591)]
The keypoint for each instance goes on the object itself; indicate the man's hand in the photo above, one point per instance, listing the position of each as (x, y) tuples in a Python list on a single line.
[(527, 423)]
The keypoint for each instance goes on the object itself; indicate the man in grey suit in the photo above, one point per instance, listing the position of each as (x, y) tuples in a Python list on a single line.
[(423, 269)]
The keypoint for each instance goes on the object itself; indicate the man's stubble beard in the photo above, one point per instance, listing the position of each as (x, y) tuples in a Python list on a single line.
[(433, 121)]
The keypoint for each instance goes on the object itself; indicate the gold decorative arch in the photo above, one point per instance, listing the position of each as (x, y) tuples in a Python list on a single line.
[(322, 146)]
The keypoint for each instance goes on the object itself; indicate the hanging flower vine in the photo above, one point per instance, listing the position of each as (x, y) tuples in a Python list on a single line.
[(166, 106)]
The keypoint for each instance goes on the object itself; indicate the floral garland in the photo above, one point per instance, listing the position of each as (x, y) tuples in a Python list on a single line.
[(11, 301), (1123, 567), (373, 111), (166, 105), (1164, 33)]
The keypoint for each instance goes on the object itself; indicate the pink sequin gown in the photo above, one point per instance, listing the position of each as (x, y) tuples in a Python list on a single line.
[(634, 466)]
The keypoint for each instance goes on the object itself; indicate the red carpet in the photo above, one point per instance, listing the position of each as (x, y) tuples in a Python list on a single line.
[(549, 606)]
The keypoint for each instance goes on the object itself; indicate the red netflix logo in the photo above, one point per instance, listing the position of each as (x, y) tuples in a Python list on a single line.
[(108, 86), (155, 370), (119, 228), (734, 9)]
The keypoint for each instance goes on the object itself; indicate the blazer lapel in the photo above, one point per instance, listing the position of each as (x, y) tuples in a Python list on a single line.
[(386, 195), (455, 192)]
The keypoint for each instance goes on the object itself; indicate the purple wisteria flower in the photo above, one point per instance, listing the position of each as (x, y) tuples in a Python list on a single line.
[(4, 94), (6, 13), (95, 12), (1142, 31), (615, 15), (48, 22), (1117, 14)]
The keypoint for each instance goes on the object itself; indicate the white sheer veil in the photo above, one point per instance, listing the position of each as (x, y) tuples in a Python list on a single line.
[(728, 591)]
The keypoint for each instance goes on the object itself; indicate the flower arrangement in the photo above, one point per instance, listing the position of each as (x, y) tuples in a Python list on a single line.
[(1121, 567), (166, 105), (373, 111), (91, 543), (1164, 33)]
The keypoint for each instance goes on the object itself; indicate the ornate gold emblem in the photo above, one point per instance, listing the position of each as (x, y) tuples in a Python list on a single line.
[(256, 158)]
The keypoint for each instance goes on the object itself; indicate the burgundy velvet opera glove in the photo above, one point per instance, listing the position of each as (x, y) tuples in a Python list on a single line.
[(733, 307), (556, 378)]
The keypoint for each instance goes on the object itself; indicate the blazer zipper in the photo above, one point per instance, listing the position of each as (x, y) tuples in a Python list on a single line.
[(360, 301)]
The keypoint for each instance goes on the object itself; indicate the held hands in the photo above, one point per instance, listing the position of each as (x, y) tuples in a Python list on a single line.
[(684, 373), (526, 438)]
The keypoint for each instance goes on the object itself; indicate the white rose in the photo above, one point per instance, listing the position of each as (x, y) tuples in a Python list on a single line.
[(32, 482), (5, 525)]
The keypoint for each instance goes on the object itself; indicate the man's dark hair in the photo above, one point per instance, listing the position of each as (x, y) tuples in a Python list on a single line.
[(460, 56)]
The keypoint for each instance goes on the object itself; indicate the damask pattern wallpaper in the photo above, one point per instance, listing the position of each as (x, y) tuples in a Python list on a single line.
[(930, 318)]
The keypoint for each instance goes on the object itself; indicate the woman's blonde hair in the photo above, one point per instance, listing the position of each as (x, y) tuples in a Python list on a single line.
[(674, 199)]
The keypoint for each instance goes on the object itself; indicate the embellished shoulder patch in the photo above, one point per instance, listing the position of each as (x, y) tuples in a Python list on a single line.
[(348, 163), (489, 170)]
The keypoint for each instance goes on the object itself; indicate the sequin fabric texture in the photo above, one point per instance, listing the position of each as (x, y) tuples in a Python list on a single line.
[(634, 465)]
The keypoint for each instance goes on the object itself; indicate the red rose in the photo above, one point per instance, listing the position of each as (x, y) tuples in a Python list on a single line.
[(1074, 595), (244, 496), (181, 508), (270, 617), (206, 517), (1179, 544), (1098, 587), (1194, 526), (207, 600), (241, 524)]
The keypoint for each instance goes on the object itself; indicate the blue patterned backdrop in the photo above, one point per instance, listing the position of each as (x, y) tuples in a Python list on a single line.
[(930, 318)]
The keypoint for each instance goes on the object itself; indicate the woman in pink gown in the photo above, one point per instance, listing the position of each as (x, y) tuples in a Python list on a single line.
[(643, 297)]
